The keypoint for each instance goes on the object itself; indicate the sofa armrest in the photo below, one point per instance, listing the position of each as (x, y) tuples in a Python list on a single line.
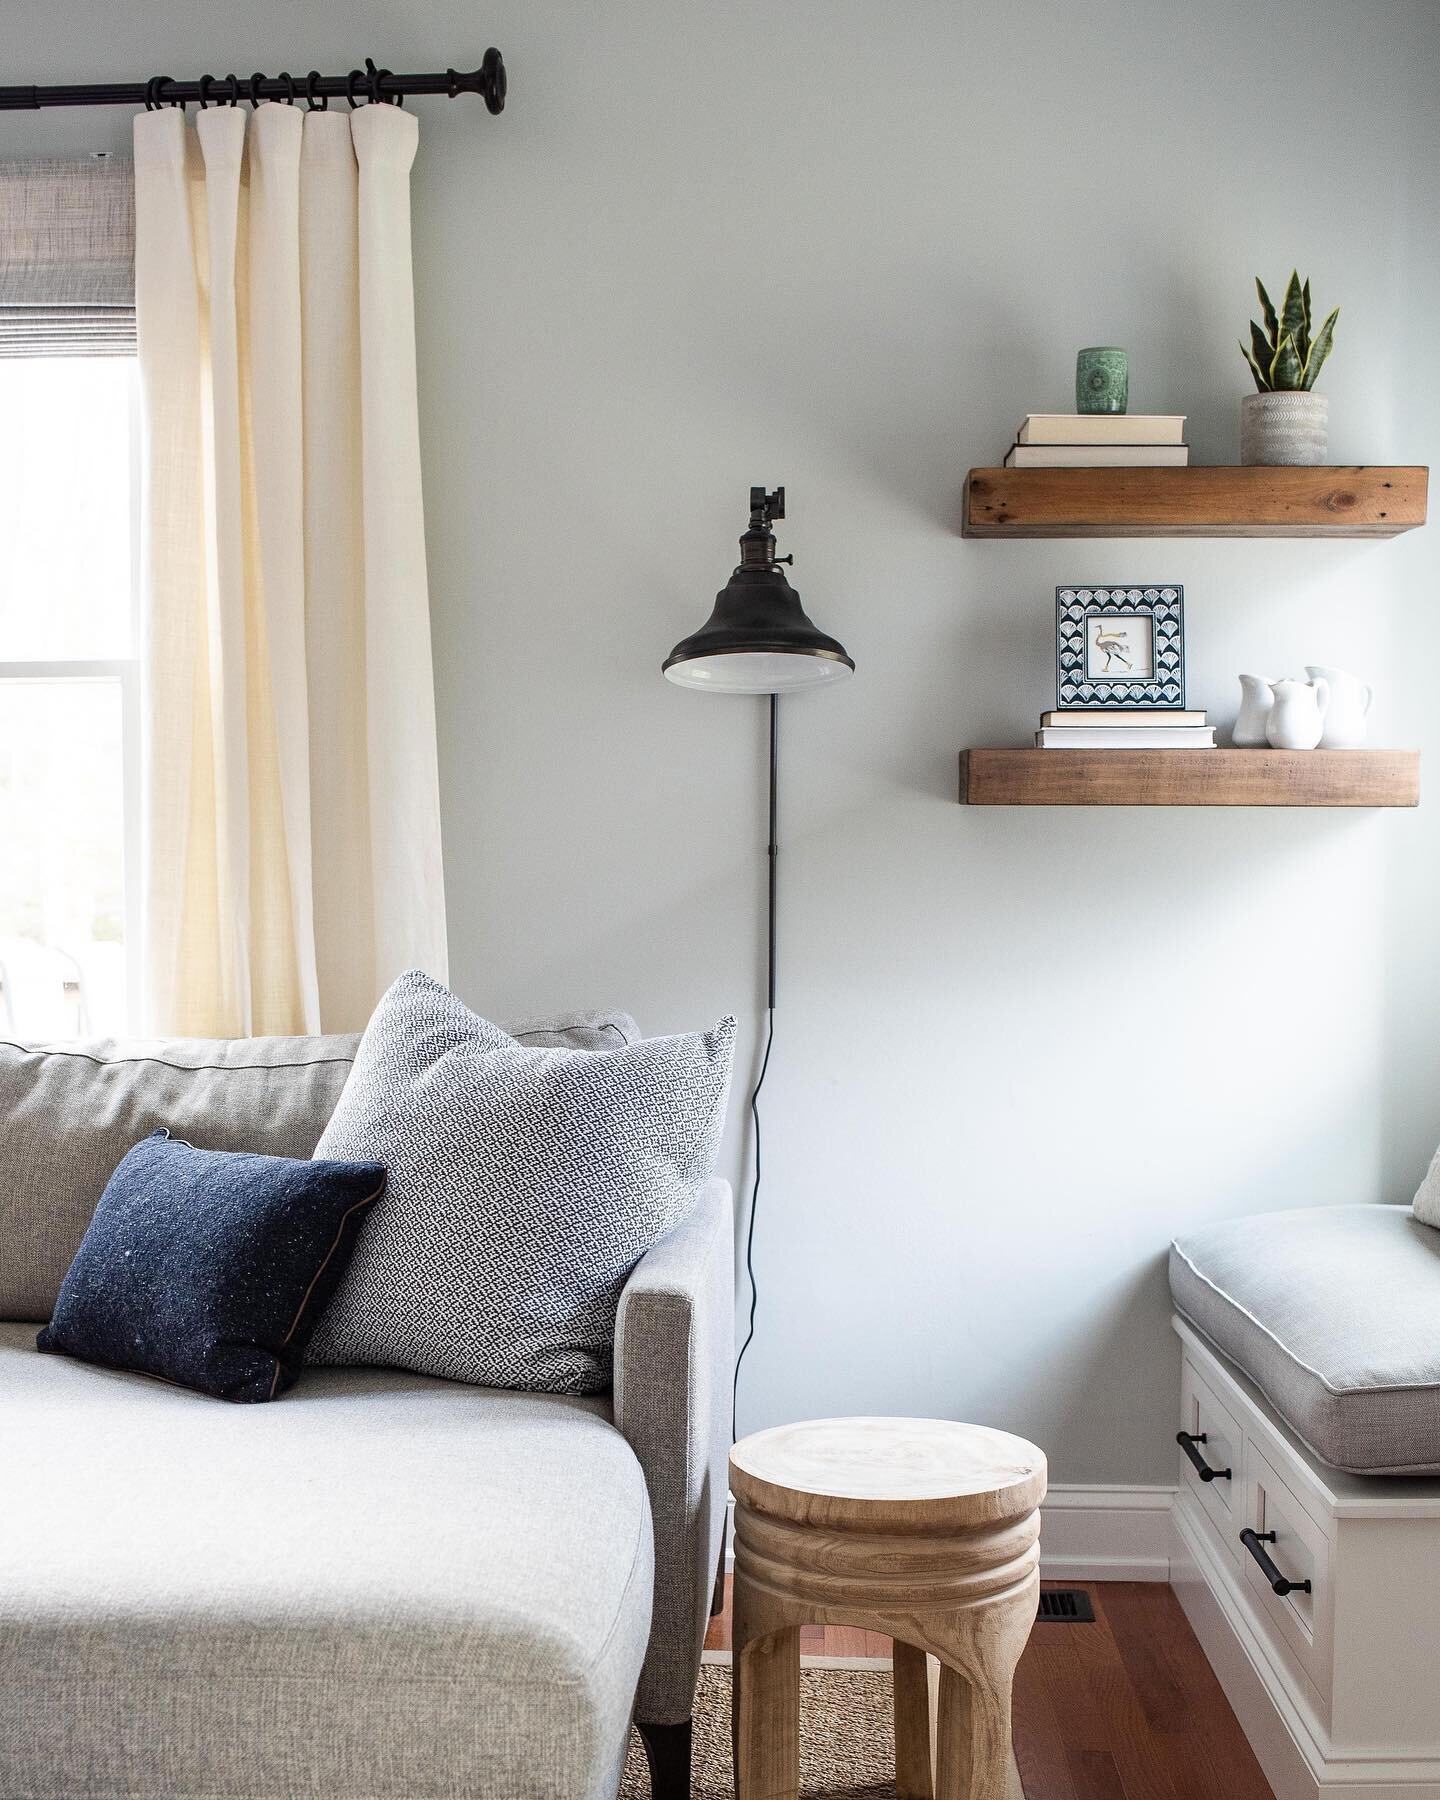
[(674, 1353)]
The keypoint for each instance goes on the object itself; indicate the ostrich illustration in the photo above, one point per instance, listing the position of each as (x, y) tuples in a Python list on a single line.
[(1112, 645)]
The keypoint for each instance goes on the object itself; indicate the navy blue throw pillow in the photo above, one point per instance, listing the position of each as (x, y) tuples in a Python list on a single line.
[(210, 1268)]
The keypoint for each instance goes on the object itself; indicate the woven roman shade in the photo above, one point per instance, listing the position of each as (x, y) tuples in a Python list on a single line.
[(67, 257)]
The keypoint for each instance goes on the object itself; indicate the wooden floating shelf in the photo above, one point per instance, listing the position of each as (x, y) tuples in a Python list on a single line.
[(1190, 777), (1194, 502)]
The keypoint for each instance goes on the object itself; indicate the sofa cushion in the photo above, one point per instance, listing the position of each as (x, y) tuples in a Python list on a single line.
[(388, 1586), (211, 1267), (524, 1185), (1334, 1313), (577, 1031), (69, 1112)]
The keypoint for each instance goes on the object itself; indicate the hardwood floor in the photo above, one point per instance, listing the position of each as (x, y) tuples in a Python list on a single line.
[(1124, 1709)]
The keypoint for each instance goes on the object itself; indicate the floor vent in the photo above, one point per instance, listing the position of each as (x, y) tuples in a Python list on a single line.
[(1066, 1606)]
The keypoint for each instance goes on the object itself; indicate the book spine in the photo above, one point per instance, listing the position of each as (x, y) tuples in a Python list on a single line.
[(1193, 738), (1126, 718), (1097, 456), (1094, 428)]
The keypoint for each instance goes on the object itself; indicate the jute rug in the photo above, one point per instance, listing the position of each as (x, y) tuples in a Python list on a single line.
[(847, 1735)]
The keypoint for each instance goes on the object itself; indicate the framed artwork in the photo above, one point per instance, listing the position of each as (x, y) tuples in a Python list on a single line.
[(1120, 646)]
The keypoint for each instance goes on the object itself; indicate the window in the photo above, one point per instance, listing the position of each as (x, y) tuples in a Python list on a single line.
[(69, 699)]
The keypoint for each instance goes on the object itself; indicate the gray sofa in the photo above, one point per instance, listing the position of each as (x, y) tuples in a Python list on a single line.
[(382, 1585)]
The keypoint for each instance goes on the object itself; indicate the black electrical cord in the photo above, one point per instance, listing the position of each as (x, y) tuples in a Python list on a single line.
[(772, 852), (750, 1230)]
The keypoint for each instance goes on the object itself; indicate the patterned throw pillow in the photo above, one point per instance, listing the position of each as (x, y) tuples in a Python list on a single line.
[(525, 1184), (210, 1267)]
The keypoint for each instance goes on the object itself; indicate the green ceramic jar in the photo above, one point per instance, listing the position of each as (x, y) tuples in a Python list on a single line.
[(1102, 380)]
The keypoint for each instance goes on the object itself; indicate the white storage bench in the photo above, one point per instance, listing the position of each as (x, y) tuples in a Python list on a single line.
[(1315, 1592)]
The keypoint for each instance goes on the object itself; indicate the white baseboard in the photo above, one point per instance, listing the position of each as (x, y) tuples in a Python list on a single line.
[(1111, 1533)]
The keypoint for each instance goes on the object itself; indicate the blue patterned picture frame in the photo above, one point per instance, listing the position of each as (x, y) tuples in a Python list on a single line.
[(1120, 646)]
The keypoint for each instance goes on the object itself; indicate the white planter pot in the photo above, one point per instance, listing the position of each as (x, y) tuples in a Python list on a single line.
[(1284, 428)]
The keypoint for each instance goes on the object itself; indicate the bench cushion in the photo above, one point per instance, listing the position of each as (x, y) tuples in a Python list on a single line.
[(1334, 1313), (388, 1585)]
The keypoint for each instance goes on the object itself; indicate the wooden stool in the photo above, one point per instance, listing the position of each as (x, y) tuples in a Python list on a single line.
[(922, 1529)]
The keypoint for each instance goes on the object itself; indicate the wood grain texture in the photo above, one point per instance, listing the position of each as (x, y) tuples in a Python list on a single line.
[(765, 1707), (913, 1714), (923, 1529), (1190, 777), (1328, 501), (1124, 1709), (877, 1474)]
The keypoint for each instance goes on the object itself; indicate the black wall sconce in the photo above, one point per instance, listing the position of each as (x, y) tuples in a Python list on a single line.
[(758, 640)]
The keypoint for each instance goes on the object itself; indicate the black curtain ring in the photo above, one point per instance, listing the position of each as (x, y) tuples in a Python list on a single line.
[(350, 80), (289, 81), (255, 81), (152, 93), (454, 88), (310, 101), (234, 81), (205, 84), (376, 77)]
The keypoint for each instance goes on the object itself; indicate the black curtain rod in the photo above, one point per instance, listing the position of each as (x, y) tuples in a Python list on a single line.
[(367, 84)]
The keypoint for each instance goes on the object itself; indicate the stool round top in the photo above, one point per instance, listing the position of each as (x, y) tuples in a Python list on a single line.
[(908, 1474)]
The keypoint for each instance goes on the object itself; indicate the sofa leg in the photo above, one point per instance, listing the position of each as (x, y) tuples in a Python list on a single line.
[(667, 1747)]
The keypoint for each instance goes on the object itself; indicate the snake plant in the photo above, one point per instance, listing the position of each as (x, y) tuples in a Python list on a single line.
[(1283, 357)]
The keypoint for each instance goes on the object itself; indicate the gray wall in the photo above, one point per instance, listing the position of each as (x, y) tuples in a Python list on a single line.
[(845, 246)]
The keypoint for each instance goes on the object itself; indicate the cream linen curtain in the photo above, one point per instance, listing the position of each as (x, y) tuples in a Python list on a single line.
[(292, 826)]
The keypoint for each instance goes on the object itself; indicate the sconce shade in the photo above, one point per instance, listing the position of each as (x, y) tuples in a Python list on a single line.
[(758, 639)]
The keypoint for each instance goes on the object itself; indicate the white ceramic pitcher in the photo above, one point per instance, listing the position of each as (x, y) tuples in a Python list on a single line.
[(1349, 702), (1257, 696), (1297, 719)]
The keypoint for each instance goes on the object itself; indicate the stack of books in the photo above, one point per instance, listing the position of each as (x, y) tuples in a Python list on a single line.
[(1100, 441), (1123, 728)]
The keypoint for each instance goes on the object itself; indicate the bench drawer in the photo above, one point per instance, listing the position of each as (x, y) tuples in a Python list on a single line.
[(1299, 1550), (1217, 1440)]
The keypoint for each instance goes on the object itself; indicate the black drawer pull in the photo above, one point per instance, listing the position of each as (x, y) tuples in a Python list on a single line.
[(1254, 1542), (1187, 1440)]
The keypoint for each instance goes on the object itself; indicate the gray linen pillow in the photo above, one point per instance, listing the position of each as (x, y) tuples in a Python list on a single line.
[(524, 1185)]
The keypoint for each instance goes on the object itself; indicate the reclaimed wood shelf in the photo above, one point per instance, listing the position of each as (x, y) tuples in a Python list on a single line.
[(1326, 501), (1190, 777)]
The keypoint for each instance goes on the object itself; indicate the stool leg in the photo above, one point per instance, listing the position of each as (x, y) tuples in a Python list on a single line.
[(973, 1741), (978, 1653), (765, 1712), (912, 1724)]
